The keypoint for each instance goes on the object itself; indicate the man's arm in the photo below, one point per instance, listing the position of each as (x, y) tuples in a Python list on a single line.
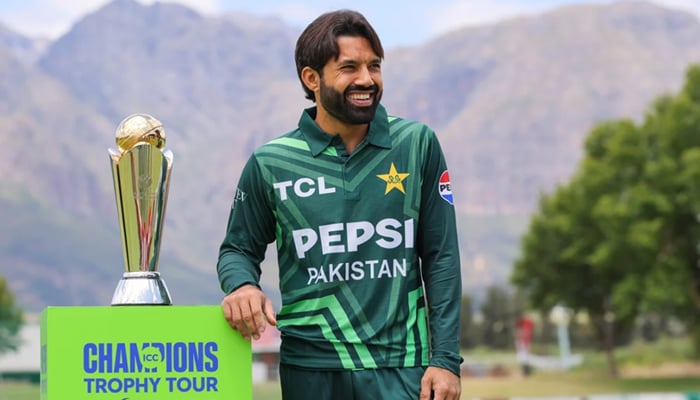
[(249, 230), (438, 246)]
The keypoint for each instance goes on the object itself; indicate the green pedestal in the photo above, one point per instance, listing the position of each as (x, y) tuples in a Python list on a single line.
[(142, 353)]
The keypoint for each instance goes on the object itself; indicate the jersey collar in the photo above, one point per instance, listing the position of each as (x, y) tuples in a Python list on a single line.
[(318, 140)]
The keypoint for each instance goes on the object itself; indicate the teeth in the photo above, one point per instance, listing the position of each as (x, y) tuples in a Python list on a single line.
[(360, 96)]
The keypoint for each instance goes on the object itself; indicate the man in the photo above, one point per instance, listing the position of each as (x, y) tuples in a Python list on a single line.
[(360, 207)]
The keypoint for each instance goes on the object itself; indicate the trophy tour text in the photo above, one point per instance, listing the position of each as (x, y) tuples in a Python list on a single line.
[(127, 368)]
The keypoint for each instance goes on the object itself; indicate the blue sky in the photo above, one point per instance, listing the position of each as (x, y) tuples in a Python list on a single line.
[(399, 23)]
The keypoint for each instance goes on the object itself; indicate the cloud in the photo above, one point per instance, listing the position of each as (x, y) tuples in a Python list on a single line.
[(692, 6), (461, 13), (52, 18), (458, 14), (297, 14), (202, 6), (472, 12), (47, 17)]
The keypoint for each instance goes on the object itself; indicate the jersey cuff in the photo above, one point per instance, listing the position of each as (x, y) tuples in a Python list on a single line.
[(447, 360), (235, 279)]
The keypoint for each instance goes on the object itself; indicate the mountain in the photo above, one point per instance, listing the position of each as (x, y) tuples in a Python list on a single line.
[(514, 100), (511, 102), (27, 50)]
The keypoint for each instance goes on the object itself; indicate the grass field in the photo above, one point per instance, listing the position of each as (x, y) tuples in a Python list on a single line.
[(664, 367), (577, 383)]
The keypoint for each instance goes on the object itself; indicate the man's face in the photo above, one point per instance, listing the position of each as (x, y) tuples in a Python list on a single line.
[(351, 86)]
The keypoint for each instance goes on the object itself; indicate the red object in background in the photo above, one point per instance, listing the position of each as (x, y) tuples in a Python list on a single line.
[(523, 337), (524, 332)]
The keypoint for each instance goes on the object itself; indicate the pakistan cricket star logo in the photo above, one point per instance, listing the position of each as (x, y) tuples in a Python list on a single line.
[(393, 180)]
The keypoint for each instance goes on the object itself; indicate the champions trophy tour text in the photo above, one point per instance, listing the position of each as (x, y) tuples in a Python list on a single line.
[(177, 367)]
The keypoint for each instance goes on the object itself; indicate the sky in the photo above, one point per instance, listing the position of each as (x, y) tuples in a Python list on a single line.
[(399, 23)]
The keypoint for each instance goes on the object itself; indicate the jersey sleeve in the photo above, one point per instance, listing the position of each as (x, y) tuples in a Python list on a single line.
[(249, 230), (438, 248)]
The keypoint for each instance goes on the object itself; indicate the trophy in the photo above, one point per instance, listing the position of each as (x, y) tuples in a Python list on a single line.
[(141, 168)]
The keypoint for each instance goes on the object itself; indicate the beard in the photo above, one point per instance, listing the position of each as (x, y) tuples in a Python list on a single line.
[(336, 104)]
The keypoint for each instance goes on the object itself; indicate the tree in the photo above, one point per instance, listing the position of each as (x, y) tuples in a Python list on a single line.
[(587, 245), (674, 174), (561, 263), (10, 319), (622, 235), (468, 330), (498, 318)]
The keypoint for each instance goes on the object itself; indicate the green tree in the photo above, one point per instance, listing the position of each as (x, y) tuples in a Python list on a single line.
[(10, 319), (622, 235), (467, 336), (673, 284), (585, 244), (554, 267), (498, 318)]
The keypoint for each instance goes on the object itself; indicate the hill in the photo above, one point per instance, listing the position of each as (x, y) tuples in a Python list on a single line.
[(511, 103)]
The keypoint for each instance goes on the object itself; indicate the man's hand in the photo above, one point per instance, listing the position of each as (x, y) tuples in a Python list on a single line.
[(441, 384), (248, 311)]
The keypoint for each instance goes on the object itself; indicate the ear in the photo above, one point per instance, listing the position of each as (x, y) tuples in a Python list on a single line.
[(311, 78)]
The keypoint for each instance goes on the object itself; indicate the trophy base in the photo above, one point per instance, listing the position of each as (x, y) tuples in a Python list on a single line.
[(141, 288)]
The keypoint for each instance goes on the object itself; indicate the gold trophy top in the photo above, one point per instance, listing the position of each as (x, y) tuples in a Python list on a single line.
[(138, 129)]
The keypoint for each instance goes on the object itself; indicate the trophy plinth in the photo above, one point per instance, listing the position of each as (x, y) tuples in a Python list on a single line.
[(141, 173), (141, 288)]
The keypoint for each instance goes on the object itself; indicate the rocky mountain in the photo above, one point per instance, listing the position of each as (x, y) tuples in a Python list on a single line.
[(27, 50), (511, 103), (514, 100)]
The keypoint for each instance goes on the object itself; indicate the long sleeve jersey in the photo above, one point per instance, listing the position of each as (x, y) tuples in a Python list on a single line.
[(367, 247)]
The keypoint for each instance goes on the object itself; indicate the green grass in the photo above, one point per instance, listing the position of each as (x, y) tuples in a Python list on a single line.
[(539, 384), (572, 384), (641, 353), (18, 391), (591, 377)]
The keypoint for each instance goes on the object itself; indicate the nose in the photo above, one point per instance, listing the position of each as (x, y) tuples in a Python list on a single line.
[(364, 77)]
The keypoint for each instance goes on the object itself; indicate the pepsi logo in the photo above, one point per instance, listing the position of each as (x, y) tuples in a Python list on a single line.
[(444, 187)]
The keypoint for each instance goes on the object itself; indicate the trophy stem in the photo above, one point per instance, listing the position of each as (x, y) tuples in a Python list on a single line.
[(141, 288), (141, 175)]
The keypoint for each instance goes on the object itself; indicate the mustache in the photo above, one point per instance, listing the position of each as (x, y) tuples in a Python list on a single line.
[(372, 88)]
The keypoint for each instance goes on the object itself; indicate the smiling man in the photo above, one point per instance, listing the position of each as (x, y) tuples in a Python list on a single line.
[(360, 206)]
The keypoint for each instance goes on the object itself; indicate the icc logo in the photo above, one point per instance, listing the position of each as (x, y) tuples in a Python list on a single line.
[(444, 187)]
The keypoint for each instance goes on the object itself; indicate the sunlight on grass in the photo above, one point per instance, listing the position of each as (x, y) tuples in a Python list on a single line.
[(591, 377), (540, 384)]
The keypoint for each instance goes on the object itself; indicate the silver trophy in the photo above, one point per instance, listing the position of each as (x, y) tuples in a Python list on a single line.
[(141, 168)]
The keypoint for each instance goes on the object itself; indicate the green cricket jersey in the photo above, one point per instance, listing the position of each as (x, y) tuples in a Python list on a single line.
[(356, 238)]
